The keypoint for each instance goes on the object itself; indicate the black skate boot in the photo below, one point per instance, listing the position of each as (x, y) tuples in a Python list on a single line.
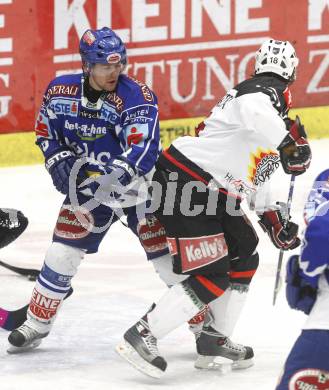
[(24, 338), (139, 348), (218, 352)]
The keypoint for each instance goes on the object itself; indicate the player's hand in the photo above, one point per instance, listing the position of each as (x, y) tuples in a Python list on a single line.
[(120, 170), (59, 165), (300, 294), (283, 234), (295, 151), (109, 181)]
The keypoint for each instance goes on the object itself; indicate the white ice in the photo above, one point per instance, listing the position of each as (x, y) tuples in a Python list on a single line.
[(116, 286)]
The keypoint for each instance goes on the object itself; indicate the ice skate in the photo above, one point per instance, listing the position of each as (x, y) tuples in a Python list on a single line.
[(139, 348), (218, 352), (24, 339)]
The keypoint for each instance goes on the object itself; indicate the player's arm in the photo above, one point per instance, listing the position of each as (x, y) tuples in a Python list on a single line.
[(303, 271), (140, 136), (59, 158), (286, 136), (314, 257), (141, 133), (270, 130)]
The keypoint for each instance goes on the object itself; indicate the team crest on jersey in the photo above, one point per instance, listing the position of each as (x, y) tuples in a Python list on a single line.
[(310, 379), (262, 165)]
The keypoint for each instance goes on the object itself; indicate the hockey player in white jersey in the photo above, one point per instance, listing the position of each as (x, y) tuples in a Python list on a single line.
[(203, 180), (307, 289)]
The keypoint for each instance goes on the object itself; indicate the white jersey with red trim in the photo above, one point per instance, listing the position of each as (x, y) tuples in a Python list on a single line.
[(237, 144)]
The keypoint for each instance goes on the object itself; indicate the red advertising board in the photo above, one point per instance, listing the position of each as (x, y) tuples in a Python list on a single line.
[(188, 51)]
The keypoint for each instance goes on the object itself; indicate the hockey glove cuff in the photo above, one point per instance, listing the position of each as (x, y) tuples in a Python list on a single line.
[(59, 165)]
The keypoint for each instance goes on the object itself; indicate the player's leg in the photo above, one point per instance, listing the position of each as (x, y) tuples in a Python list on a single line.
[(53, 283), (214, 343), (202, 254), (307, 366), (78, 231), (152, 236)]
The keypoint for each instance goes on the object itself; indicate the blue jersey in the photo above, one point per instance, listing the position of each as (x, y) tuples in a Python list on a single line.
[(124, 122), (314, 258)]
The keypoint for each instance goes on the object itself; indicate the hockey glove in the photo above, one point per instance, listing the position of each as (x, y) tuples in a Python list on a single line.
[(12, 225), (109, 180), (282, 233), (121, 171), (59, 165), (295, 151), (300, 295)]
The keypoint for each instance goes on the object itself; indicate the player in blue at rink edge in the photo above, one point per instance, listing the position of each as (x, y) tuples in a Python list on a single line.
[(101, 114), (307, 289)]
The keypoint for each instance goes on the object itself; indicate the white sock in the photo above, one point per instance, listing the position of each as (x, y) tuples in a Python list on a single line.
[(177, 305), (226, 310)]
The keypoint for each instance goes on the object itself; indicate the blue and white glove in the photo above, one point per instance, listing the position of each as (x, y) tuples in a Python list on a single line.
[(300, 294), (109, 180), (59, 165), (121, 170)]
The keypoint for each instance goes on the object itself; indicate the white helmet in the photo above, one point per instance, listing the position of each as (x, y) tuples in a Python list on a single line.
[(277, 57)]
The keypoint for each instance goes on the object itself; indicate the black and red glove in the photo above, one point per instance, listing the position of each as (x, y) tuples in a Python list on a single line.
[(282, 233), (295, 151)]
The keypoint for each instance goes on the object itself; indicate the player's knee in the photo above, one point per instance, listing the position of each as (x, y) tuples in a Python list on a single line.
[(163, 267), (63, 259)]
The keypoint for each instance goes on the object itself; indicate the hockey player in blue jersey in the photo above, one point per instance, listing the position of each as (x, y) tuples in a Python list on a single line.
[(110, 118), (307, 289)]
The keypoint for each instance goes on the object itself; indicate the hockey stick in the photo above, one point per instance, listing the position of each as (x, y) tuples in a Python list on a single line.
[(30, 273), (277, 284), (12, 319)]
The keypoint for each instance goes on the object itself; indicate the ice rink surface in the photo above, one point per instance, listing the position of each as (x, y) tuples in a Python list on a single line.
[(114, 287)]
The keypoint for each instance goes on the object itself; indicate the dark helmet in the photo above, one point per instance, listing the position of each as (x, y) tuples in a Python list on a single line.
[(102, 46)]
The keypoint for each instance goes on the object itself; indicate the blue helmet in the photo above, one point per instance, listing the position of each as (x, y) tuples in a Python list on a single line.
[(102, 46)]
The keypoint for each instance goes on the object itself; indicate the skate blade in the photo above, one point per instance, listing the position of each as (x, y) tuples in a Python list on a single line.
[(12, 350), (218, 363), (125, 350), (221, 364)]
